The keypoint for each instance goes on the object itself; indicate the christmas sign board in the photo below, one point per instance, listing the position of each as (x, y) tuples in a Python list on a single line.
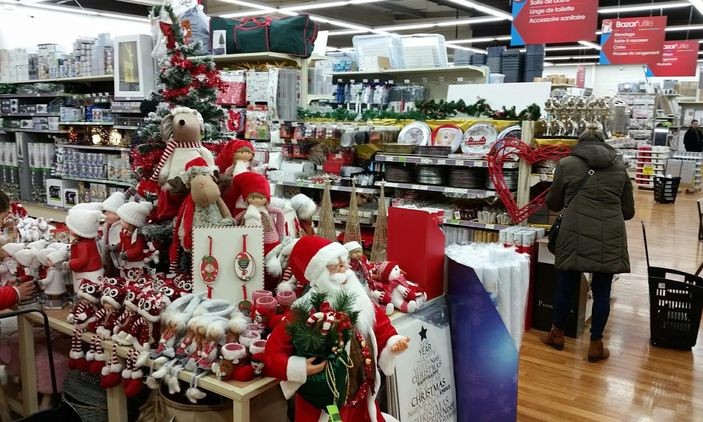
[(228, 262), (553, 21), (632, 40), (423, 386), (680, 58)]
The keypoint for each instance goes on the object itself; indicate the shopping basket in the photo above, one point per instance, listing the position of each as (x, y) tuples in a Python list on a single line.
[(675, 304), (63, 412), (665, 189)]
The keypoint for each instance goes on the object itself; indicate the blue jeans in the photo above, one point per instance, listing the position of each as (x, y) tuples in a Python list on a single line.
[(568, 283)]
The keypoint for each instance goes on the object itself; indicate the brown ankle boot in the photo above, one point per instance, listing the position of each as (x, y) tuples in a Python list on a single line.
[(554, 338), (597, 352)]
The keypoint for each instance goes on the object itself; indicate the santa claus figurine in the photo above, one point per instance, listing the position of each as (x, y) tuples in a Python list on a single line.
[(112, 229), (406, 296), (133, 249), (373, 345), (85, 261), (256, 190)]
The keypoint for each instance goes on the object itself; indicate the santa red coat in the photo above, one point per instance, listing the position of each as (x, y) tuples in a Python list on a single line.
[(133, 246), (292, 370), (85, 256)]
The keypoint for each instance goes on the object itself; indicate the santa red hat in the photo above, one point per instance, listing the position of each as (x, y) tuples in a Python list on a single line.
[(311, 255), (250, 182), (384, 270), (225, 158), (197, 166)]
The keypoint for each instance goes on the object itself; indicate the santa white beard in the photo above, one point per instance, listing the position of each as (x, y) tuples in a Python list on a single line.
[(332, 284)]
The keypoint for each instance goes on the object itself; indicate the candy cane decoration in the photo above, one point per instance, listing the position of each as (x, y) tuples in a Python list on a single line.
[(328, 319)]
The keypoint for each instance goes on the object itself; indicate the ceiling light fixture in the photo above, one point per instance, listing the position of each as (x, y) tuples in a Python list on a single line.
[(479, 40), (698, 4), (461, 47), (684, 28), (503, 15), (77, 11), (326, 5), (590, 44), (645, 7)]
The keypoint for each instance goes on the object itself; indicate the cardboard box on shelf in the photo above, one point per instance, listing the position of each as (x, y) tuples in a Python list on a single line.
[(53, 123), (374, 63)]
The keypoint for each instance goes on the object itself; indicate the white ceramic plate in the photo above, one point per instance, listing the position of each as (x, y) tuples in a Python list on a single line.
[(415, 133), (479, 139), (448, 136)]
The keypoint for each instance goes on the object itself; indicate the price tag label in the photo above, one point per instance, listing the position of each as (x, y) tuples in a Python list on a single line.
[(648, 170), (490, 226), (401, 159), (459, 162), (425, 161), (441, 162)]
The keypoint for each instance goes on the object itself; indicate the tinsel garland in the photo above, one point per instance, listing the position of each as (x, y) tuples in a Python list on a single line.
[(431, 110)]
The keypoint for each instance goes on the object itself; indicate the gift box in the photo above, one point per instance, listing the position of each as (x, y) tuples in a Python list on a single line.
[(416, 242)]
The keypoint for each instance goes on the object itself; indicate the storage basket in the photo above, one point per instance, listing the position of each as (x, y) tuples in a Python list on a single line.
[(83, 392), (665, 189), (675, 305)]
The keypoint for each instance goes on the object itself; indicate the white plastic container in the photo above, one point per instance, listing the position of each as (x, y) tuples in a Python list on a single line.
[(377, 45), (497, 78), (422, 51)]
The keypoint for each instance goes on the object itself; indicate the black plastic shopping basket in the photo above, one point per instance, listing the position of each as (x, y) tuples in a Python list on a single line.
[(675, 304), (63, 412)]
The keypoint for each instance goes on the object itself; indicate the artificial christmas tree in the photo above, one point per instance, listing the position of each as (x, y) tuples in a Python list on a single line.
[(352, 231), (380, 235), (326, 228)]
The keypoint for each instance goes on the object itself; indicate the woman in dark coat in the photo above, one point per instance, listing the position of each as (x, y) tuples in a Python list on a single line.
[(592, 237)]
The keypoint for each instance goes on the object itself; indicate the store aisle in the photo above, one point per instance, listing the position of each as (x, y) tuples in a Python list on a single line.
[(639, 382)]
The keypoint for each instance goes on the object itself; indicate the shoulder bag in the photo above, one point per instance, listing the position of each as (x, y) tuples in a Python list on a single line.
[(554, 231)]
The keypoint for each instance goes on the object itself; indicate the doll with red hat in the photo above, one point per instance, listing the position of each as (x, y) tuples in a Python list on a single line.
[(256, 191), (123, 325), (133, 250), (105, 319), (406, 296), (85, 261), (203, 207), (235, 158), (82, 316)]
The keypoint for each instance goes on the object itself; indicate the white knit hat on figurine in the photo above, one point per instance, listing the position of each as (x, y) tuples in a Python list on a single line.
[(114, 202), (135, 213), (92, 206), (84, 223), (352, 246)]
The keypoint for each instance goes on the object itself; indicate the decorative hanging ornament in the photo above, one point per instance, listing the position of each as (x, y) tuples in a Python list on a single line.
[(244, 268), (209, 269)]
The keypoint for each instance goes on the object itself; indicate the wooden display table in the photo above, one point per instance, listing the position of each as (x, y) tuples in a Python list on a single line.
[(241, 393)]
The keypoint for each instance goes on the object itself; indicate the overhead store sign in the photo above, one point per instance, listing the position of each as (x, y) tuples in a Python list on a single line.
[(553, 21), (680, 58), (632, 40)]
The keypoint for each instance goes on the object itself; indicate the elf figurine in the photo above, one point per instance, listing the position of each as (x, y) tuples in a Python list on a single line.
[(105, 320), (214, 337), (235, 158), (173, 324), (111, 230), (256, 190), (84, 261), (358, 262), (406, 296), (82, 316), (133, 248)]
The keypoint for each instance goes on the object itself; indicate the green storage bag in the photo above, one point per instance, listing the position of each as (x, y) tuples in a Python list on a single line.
[(251, 35), (294, 35), (223, 24)]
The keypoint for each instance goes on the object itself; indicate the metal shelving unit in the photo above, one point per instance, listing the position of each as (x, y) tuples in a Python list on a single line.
[(470, 193), (92, 78), (103, 181), (322, 186), (94, 147), (458, 162), (86, 123), (19, 129)]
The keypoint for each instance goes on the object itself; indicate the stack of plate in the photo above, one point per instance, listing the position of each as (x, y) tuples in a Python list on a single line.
[(430, 175), (494, 59), (435, 150), (467, 178), (534, 62), (511, 65), (399, 173), (510, 180)]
